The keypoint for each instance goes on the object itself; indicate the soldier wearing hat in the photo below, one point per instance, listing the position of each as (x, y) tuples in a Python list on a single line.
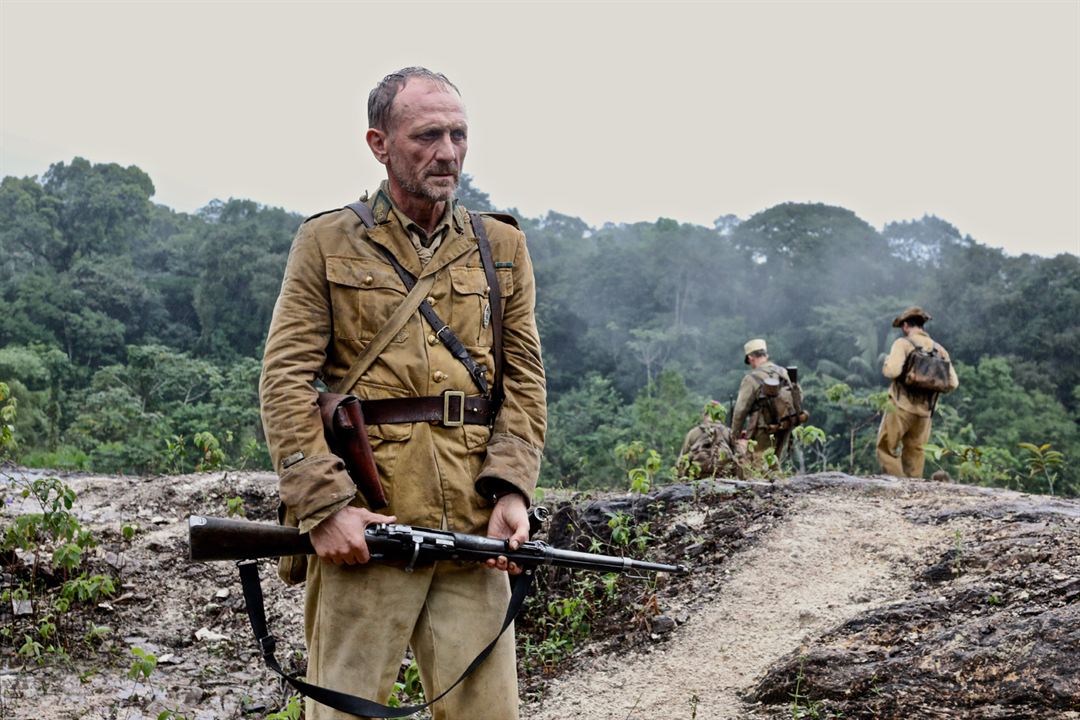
[(905, 426), (747, 420)]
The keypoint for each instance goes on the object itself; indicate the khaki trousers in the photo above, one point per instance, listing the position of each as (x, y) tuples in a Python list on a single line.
[(902, 428), (358, 620)]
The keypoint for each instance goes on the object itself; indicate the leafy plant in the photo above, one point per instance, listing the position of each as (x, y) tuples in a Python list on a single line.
[(408, 690), (8, 412), (235, 506), (1041, 460), (625, 532), (212, 456), (293, 709), (143, 666), (643, 476)]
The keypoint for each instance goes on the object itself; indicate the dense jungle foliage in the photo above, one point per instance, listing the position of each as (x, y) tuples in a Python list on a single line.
[(130, 334)]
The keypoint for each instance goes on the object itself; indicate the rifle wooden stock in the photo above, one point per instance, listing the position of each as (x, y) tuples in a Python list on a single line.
[(213, 538)]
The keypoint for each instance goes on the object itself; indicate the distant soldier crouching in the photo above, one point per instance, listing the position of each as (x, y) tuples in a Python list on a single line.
[(708, 444)]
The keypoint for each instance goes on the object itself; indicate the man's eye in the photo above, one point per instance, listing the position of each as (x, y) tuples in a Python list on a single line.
[(458, 135)]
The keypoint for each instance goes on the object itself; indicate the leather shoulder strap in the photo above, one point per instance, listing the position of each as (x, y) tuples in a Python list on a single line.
[(495, 301), (363, 212)]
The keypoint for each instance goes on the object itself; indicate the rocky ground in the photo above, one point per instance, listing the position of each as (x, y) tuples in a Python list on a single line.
[(819, 596)]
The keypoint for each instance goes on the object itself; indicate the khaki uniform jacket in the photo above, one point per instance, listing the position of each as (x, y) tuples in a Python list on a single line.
[(745, 413), (914, 403), (337, 292)]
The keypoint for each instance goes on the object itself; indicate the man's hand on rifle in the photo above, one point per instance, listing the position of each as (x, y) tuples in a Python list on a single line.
[(340, 537), (509, 519)]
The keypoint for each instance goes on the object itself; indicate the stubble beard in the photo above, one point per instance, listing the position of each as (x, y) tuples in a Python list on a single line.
[(419, 186)]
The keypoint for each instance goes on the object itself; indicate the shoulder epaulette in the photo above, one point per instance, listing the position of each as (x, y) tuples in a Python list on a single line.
[(320, 214), (503, 217)]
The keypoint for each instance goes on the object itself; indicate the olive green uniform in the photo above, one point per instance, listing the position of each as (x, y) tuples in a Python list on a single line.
[(338, 291), (905, 426), (748, 416)]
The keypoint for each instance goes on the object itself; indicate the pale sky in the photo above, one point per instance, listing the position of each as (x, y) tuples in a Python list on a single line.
[(607, 111)]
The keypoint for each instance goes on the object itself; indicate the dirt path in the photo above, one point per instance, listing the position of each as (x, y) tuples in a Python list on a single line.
[(837, 554)]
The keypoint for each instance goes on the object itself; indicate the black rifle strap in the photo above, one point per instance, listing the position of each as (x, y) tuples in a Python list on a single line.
[(494, 304), (442, 331), (344, 702)]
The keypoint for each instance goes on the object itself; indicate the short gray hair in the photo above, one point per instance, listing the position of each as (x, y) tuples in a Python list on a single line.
[(381, 98)]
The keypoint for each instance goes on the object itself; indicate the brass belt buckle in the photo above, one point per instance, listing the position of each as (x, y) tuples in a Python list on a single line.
[(460, 395)]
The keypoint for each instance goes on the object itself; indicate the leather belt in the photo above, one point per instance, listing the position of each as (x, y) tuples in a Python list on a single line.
[(450, 409)]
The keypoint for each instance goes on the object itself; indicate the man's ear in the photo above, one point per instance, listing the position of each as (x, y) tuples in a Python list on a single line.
[(376, 140)]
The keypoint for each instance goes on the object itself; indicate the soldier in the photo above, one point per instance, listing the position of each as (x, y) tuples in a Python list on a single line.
[(709, 445), (906, 424), (750, 419), (449, 454)]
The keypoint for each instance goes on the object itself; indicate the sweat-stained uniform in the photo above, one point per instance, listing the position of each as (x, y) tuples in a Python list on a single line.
[(907, 422), (338, 291), (747, 415)]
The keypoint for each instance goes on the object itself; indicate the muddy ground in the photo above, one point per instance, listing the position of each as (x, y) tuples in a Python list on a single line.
[(818, 596)]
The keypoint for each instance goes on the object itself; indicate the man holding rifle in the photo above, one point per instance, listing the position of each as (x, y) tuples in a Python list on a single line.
[(457, 430)]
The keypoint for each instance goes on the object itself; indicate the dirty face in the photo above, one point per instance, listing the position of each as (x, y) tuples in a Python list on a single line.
[(424, 147)]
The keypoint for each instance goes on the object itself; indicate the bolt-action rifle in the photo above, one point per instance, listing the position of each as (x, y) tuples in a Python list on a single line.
[(222, 539)]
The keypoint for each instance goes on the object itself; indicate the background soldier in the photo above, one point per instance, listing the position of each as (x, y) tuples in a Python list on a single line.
[(709, 445), (749, 420), (906, 424), (473, 472)]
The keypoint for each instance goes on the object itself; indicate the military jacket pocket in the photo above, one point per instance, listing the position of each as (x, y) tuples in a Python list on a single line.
[(471, 303), (363, 294)]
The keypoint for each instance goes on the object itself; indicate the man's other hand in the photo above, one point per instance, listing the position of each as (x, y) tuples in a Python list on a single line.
[(340, 537), (509, 520)]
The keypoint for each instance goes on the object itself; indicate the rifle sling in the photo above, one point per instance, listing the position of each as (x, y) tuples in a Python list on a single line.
[(344, 702)]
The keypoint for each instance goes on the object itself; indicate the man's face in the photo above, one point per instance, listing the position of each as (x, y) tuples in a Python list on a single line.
[(427, 140)]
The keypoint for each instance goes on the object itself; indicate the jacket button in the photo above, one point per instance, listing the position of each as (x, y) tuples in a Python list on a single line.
[(430, 300), (368, 280), (432, 340), (438, 376)]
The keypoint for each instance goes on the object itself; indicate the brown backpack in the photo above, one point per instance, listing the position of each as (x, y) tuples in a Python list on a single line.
[(926, 370), (712, 450), (779, 400)]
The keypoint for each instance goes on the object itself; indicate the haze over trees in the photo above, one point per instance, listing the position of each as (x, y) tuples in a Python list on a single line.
[(130, 334)]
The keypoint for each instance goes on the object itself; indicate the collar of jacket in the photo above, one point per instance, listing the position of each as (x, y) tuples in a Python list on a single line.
[(920, 334), (390, 234)]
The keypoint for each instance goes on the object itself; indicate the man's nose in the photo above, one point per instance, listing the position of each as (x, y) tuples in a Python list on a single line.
[(446, 150)]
